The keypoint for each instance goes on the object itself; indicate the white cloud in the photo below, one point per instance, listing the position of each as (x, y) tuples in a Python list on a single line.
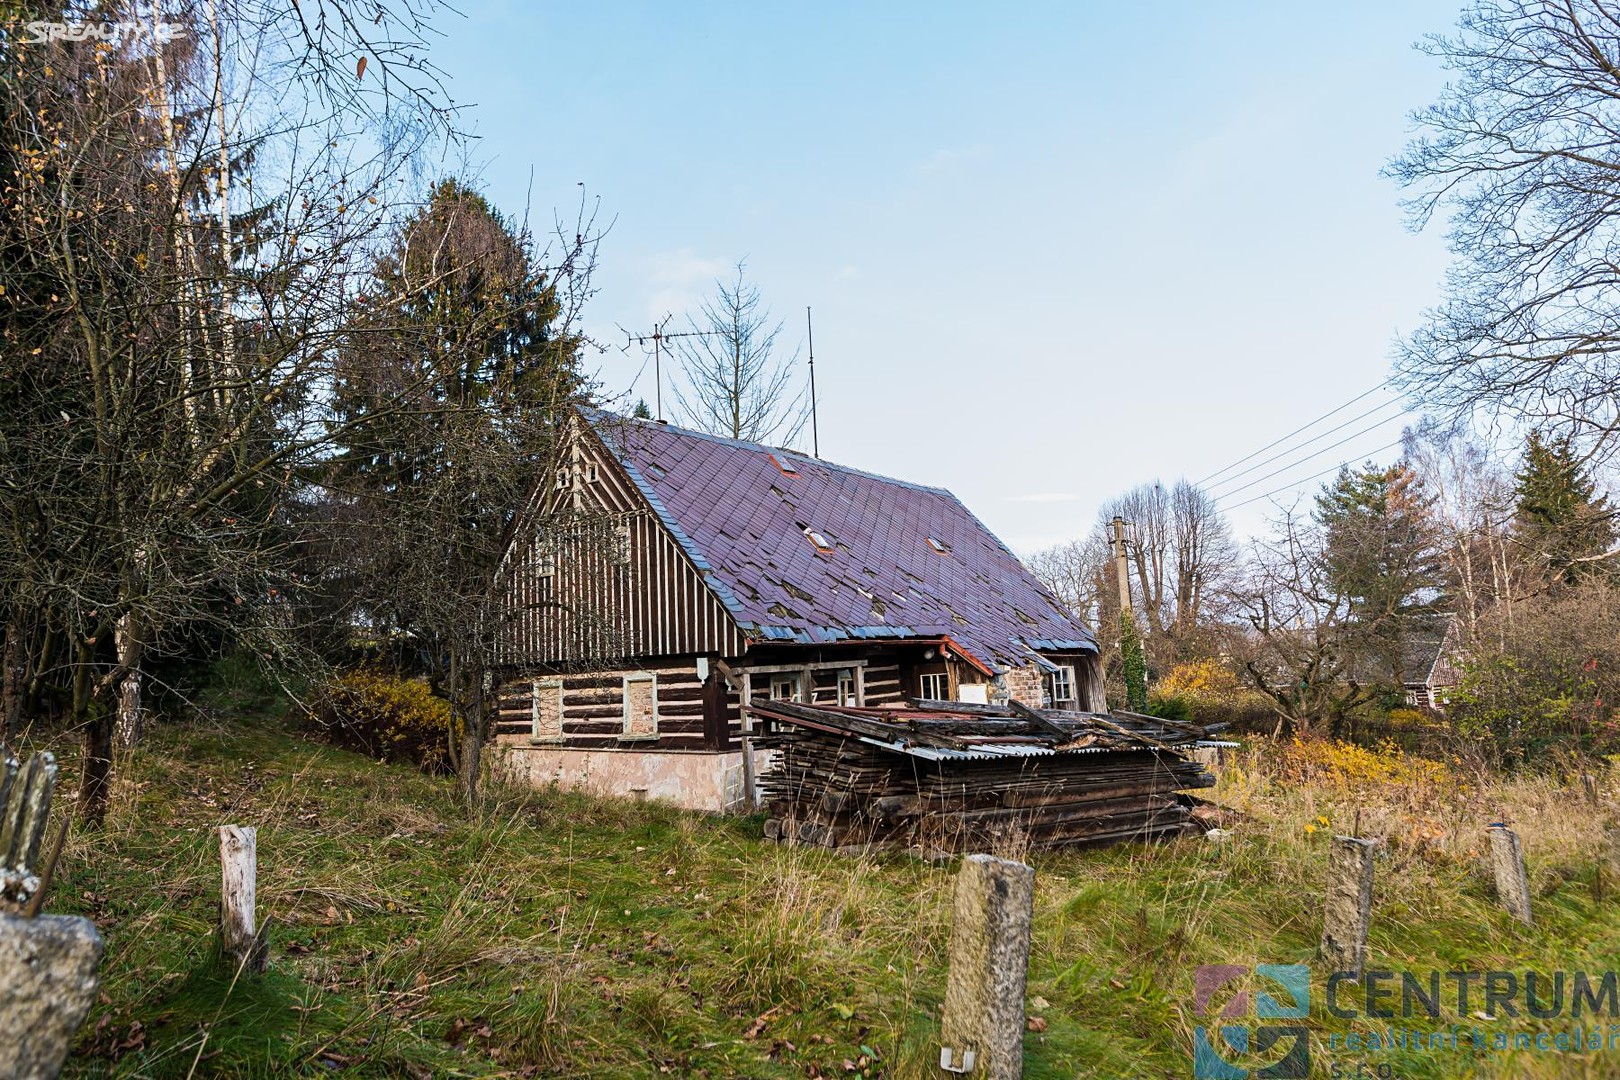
[(678, 281), (950, 157)]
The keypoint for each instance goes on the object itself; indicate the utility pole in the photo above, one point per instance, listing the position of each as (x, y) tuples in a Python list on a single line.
[(810, 334), (1132, 658), (1121, 565)]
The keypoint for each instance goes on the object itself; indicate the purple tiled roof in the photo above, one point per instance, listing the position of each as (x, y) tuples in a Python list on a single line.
[(744, 522)]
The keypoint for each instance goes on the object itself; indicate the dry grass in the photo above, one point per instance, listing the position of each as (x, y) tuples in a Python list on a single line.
[(558, 935)]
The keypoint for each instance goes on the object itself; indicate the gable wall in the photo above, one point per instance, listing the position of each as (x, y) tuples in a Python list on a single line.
[(619, 584)]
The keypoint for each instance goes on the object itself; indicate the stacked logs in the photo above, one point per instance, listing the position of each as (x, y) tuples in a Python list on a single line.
[(945, 776)]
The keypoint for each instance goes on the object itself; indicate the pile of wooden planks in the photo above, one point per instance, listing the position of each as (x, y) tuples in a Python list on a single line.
[(949, 776)]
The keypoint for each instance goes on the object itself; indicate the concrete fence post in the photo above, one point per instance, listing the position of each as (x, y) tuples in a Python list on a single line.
[(1347, 912), (239, 933), (1512, 883), (982, 1034)]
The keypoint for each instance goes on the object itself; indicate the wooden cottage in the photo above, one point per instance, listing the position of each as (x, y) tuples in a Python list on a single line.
[(669, 577)]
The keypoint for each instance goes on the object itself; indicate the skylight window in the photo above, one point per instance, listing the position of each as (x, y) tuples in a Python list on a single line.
[(783, 464), (939, 546), (820, 541)]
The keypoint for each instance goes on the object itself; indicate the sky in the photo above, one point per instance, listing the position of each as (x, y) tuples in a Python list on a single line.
[(1053, 250)]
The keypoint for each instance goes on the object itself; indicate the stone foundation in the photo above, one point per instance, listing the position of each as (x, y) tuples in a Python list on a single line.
[(694, 780)]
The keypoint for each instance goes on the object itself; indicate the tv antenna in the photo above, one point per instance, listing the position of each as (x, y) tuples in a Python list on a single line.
[(658, 337), (810, 335)]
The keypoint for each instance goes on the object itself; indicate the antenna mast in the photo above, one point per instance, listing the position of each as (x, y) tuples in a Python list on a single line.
[(658, 337), (810, 333)]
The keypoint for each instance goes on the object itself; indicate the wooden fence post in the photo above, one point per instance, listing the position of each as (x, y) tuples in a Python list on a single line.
[(1512, 883), (239, 934), (982, 1033), (1348, 910)]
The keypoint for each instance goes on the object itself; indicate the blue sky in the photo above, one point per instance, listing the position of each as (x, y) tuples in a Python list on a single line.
[(1054, 250)]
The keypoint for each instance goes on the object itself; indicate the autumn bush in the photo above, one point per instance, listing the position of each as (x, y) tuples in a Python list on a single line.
[(1206, 691), (388, 718), (1347, 766)]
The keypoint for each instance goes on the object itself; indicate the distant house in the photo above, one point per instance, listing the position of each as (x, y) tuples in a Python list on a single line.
[(672, 576), (1431, 663)]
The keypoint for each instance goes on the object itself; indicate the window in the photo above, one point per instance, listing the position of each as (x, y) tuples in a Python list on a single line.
[(590, 473), (818, 539), (1060, 686), (939, 546), (846, 687), (934, 686), (781, 463), (640, 707), (619, 550), (561, 483), (785, 688), (546, 709), (546, 571)]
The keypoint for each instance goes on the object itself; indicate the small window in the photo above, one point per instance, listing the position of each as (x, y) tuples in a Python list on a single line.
[(590, 473), (1060, 686), (846, 687), (546, 709), (940, 547), (640, 707), (783, 464), (934, 686), (785, 688), (561, 483), (818, 539)]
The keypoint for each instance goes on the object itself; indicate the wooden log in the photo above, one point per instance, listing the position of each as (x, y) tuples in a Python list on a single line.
[(239, 934)]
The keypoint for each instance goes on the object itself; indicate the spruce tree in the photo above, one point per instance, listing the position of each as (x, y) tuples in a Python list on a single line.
[(1560, 518)]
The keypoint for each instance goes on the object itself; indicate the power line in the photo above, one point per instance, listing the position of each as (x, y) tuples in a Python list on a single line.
[(1296, 431), (1307, 457), (1313, 439), (1296, 483)]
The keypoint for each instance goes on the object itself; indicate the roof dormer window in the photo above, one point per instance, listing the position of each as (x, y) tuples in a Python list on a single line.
[(783, 464), (939, 546), (820, 541)]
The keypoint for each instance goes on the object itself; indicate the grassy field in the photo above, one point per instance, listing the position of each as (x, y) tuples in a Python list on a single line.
[(559, 935)]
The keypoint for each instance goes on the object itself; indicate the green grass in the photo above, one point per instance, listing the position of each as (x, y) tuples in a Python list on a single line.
[(556, 935)]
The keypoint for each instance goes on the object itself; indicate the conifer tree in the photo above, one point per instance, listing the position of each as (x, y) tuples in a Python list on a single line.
[(1559, 516)]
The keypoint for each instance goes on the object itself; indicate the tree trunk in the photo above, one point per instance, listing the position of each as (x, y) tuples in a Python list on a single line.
[(127, 730), (14, 674), (471, 751), (96, 782)]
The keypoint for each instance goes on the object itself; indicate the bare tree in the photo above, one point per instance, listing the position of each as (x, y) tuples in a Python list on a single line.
[(1305, 640), (1472, 514), (1181, 553), (174, 242), (735, 381), (1522, 151)]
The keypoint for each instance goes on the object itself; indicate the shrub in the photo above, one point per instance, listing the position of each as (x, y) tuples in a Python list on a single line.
[(389, 718), (1206, 692), (1171, 707), (1355, 768), (1547, 678)]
